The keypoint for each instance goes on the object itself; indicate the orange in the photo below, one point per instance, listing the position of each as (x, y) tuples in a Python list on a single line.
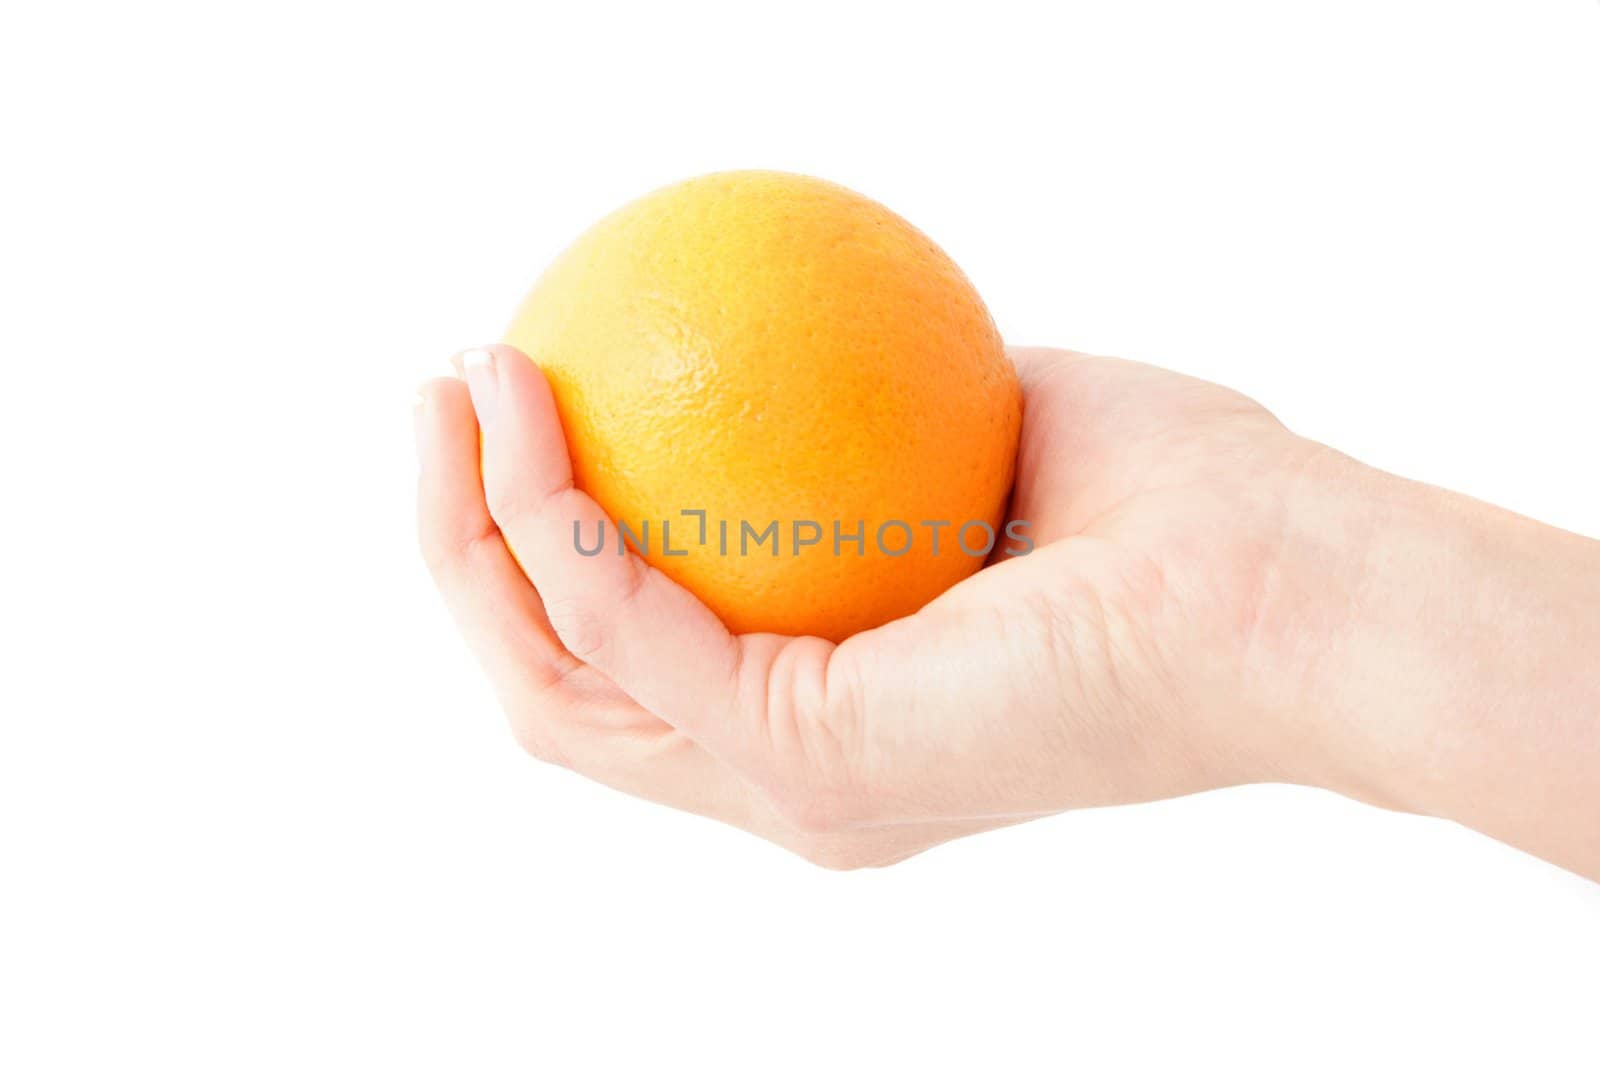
[(758, 348)]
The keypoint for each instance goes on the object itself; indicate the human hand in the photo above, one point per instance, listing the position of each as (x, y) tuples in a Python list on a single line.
[(1194, 562), (1095, 670)]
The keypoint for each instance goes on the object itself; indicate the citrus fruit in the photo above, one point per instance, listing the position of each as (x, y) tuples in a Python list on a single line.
[(794, 401)]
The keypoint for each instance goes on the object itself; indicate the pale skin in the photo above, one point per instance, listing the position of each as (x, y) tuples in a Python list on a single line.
[(1213, 601)]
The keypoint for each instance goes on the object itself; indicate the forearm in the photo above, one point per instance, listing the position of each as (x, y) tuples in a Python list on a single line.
[(1456, 662)]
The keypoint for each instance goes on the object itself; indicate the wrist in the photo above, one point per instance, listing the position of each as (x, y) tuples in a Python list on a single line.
[(1442, 653)]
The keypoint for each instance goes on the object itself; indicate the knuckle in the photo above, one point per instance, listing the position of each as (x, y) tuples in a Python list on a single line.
[(578, 626), (505, 501), (433, 540), (832, 854), (435, 554), (811, 813), (536, 743), (511, 498), (447, 553)]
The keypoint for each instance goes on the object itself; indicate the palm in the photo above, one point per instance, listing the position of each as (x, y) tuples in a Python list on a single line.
[(1137, 485), (1041, 665)]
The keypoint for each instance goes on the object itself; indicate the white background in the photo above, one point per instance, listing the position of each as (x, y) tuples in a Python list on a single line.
[(256, 803)]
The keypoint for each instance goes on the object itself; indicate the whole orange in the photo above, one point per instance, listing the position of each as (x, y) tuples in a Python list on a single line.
[(756, 353)]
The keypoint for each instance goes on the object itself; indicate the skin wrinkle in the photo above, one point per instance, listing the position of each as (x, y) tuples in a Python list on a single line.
[(1262, 579), (1332, 619), (811, 731), (1240, 605), (1165, 698), (1065, 660), (1118, 665)]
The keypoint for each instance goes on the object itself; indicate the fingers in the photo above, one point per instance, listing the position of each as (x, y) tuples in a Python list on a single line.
[(560, 710), (498, 610), (655, 640), (646, 644), (1033, 363)]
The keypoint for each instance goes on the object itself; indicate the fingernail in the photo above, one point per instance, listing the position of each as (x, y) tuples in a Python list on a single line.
[(419, 402), (483, 381)]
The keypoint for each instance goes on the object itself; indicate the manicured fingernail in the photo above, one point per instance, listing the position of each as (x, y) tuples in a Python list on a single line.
[(483, 381)]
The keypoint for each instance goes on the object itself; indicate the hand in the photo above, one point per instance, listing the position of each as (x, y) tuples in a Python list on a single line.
[(1194, 563), (1094, 670)]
